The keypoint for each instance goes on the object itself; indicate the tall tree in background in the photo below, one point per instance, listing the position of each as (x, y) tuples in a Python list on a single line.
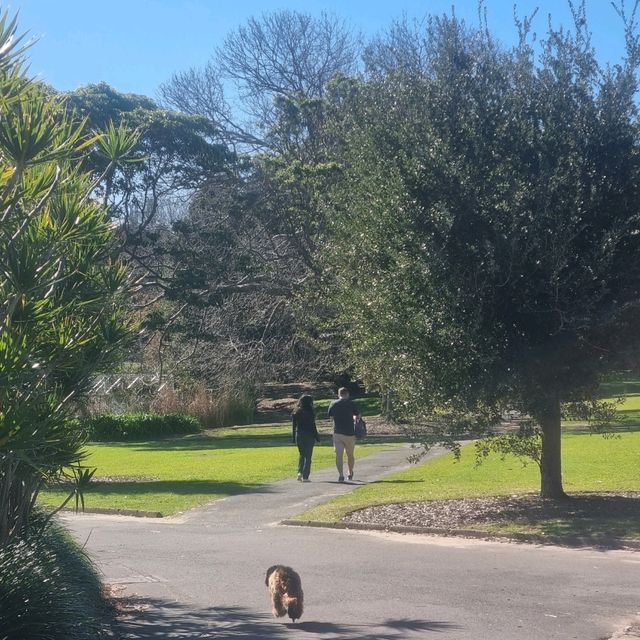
[(248, 243), (266, 63), (487, 225), (176, 153)]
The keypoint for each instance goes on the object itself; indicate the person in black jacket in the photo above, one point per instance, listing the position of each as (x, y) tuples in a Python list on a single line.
[(305, 435), (344, 411)]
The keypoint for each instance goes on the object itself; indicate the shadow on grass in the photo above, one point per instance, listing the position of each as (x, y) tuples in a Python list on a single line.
[(155, 618), (594, 520), (180, 487), (399, 481), (206, 443)]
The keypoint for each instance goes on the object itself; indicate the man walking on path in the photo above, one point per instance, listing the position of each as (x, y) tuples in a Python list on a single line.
[(344, 411)]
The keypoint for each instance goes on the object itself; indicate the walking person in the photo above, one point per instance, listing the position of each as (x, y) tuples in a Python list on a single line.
[(305, 435), (344, 411)]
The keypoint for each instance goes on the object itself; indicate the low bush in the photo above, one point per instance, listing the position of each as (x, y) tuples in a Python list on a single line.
[(226, 408), (49, 589), (137, 426)]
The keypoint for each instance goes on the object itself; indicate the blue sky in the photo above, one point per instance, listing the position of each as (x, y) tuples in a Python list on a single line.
[(135, 45)]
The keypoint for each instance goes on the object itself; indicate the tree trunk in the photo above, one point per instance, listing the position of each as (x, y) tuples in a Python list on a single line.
[(551, 460)]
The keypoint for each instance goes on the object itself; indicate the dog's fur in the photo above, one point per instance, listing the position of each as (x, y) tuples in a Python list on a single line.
[(286, 591)]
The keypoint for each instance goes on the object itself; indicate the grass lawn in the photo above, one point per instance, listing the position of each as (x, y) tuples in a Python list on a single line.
[(369, 405), (181, 473), (628, 417), (628, 412), (591, 463)]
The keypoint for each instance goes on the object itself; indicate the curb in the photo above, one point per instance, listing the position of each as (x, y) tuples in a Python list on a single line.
[(571, 541), (628, 633), (115, 512)]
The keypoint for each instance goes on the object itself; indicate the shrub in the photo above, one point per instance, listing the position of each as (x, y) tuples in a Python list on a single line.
[(62, 289), (49, 589), (223, 409), (137, 426)]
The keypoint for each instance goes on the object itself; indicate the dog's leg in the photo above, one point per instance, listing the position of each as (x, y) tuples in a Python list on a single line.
[(277, 606)]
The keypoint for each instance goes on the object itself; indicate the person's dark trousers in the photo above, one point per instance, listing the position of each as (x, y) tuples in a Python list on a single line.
[(305, 448)]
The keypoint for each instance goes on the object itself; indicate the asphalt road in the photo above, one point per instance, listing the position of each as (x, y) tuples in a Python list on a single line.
[(201, 575)]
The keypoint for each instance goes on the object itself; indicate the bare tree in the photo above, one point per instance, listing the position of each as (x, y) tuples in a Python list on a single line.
[(285, 54), (401, 47)]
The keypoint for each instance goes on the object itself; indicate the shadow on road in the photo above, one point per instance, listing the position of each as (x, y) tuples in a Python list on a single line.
[(387, 630), (151, 619), (148, 618)]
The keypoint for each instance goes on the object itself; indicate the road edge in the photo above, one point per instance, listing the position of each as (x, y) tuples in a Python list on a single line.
[(531, 538)]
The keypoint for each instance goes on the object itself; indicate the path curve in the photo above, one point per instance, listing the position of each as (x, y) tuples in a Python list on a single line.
[(203, 574)]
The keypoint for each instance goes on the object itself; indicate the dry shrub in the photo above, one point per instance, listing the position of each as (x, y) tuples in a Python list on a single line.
[(224, 408), (167, 401)]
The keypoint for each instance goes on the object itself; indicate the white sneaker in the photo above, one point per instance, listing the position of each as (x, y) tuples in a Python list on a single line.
[(299, 477)]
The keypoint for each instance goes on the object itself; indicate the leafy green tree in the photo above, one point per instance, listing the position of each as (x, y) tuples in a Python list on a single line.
[(176, 152), (61, 284), (486, 230)]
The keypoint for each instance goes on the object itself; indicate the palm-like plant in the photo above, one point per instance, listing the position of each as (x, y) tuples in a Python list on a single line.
[(61, 284)]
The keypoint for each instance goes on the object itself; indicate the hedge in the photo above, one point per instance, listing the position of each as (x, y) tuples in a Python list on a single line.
[(137, 426)]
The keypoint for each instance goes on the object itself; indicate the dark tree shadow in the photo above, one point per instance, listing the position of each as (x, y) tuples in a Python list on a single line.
[(204, 442), (587, 519), (387, 630), (180, 487), (150, 619)]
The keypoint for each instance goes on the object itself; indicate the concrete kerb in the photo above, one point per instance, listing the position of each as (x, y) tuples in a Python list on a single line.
[(572, 541), (628, 633)]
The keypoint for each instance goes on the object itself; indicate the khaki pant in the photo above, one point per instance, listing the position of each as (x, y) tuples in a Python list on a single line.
[(342, 443)]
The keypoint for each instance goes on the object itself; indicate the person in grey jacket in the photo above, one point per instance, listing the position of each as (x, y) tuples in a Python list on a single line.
[(305, 435)]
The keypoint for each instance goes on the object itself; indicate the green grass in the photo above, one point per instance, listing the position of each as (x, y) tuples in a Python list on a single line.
[(181, 473), (628, 412), (591, 463), (369, 405)]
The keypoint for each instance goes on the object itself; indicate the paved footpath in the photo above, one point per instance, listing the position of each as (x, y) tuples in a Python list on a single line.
[(203, 574)]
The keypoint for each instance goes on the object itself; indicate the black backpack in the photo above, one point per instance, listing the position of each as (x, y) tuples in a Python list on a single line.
[(360, 428)]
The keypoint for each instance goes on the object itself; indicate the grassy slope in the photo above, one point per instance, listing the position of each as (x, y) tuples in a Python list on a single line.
[(369, 405), (591, 463), (628, 413), (186, 472)]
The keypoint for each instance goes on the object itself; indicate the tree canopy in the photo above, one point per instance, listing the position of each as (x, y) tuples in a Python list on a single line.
[(487, 225)]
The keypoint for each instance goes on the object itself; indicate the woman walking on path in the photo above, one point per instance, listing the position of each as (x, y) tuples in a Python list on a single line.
[(305, 435)]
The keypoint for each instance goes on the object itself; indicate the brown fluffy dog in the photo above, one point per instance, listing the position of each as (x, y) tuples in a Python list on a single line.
[(286, 591)]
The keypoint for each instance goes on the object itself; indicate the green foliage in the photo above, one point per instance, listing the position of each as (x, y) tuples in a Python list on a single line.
[(61, 288), (136, 426), (486, 228), (174, 151), (49, 589), (526, 445)]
